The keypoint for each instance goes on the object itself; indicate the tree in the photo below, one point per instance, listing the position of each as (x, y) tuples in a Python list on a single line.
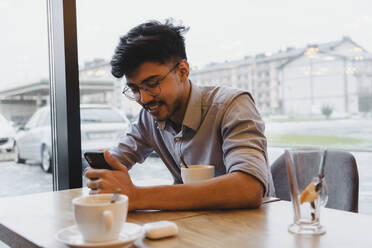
[(327, 110)]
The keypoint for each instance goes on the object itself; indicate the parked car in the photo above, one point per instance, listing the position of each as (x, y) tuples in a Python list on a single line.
[(7, 134), (101, 127)]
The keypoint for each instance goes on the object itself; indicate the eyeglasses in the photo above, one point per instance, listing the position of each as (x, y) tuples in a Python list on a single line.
[(133, 92)]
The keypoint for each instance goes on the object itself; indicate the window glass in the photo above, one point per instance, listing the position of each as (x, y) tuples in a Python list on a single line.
[(100, 115), (33, 120), (24, 90), (308, 67), (46, 119)]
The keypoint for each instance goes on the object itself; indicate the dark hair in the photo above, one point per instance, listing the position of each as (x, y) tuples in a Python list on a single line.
[(151, 41)]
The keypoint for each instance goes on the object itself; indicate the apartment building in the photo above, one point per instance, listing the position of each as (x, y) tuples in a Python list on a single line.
[(300, 81)]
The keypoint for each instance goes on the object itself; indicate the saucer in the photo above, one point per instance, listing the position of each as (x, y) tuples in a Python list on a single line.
[(72, 237)]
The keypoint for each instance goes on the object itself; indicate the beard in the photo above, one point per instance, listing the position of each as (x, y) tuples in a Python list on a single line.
[(162, 110), (167, 106)]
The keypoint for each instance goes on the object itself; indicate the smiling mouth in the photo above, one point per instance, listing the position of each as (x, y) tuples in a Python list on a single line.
[(152, 107)]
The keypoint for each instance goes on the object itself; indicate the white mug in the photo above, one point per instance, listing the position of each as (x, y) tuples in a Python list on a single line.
[(196, 173), (98, 219)]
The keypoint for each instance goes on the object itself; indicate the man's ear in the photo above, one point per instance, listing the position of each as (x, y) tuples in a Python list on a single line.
[(184, 70)]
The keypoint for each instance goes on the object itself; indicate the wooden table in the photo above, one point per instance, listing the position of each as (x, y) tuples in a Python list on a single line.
[(32, 221)]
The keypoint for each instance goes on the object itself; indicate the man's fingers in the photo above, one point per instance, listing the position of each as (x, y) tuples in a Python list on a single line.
[(94, 173), (113, 162), (95, 184)]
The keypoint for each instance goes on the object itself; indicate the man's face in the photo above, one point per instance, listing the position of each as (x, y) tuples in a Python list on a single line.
[(170, 94)]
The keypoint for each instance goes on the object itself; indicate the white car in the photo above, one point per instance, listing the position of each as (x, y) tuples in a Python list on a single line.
[(101, 127), (7, 134)]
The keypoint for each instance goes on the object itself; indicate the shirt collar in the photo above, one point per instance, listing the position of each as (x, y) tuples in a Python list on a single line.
[(193, 111)]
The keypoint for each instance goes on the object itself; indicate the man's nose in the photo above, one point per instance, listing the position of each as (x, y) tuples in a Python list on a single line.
[(145, 96)]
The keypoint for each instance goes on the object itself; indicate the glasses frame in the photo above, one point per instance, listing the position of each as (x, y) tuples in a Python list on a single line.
[(136, 95)]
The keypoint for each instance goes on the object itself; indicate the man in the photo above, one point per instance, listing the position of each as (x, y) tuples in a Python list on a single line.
[(205, 125)]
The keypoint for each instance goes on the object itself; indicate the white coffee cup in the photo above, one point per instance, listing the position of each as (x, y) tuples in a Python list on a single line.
[(98, 219), (196, 173)]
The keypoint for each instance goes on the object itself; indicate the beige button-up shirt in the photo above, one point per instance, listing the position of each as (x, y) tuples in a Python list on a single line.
[(221, 127)]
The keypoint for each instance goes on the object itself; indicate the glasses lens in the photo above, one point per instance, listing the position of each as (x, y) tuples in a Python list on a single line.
[(154, 91), (129, 93)]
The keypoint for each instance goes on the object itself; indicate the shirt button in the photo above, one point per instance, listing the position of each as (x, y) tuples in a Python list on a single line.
[(177, 139)]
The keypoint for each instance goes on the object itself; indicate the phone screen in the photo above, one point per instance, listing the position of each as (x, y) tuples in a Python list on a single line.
[(97, 160)]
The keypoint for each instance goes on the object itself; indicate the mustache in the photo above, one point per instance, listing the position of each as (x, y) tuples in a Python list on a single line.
[(147, 105)]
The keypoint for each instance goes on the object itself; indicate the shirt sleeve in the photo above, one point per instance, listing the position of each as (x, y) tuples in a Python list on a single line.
[(133, 146), (244, 143)]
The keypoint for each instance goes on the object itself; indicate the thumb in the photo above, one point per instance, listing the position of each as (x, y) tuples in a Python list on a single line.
[(114, 163)]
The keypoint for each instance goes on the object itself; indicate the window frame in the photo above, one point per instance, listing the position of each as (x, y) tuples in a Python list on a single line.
[(64, 94)]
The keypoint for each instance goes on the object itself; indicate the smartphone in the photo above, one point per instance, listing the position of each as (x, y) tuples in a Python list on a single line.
[(97, 160)]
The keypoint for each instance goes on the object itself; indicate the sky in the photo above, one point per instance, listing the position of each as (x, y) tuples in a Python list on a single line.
[(219, 30)]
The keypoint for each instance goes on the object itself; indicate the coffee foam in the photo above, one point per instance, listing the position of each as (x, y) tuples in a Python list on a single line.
[(98, 199), (197, 166)]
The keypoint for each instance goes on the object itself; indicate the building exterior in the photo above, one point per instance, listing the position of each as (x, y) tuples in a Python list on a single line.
[(297, 81), (301, 81), (99, 71), (96, 86)]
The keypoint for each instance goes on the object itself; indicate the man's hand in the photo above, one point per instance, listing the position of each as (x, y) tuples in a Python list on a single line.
[(107, 181), (216, 193)]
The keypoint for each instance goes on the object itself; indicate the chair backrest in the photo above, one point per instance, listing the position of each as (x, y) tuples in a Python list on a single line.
[(341, 175)]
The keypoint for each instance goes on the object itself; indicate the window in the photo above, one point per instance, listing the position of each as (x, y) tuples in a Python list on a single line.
[(310, 78), (24, 91), (101, 115), (324, 90)]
